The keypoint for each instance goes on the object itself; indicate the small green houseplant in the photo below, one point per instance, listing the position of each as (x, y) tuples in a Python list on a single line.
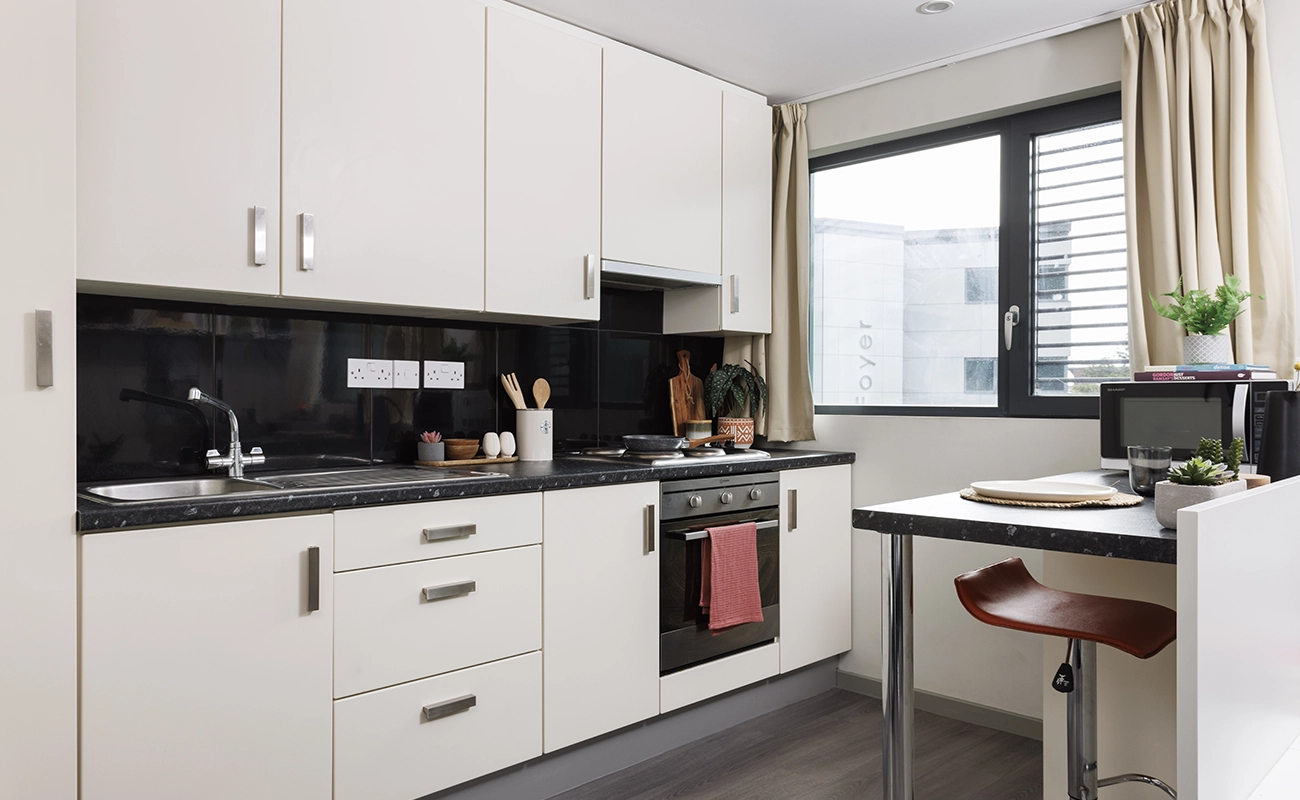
[(736, 395), (1203, 477), (1205, 316)]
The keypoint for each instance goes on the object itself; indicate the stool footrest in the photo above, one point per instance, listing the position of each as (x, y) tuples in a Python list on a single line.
[(1133, 777)]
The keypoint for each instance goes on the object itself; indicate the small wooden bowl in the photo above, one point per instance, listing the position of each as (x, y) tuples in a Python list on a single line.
[(461, 449)]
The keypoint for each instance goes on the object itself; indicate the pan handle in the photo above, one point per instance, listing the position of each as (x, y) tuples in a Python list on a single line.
[(724, 437)]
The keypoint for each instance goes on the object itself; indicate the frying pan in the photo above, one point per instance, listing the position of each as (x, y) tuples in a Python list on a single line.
[(654, 443)]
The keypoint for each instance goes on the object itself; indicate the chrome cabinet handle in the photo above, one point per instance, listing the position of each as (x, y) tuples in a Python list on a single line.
[(590, 271), (307, 242), (1009, 321), (649, 520), (735, 294), (448, 590), (794, 508), (448, 707), (44, 349), (449, 532), (313, 579), (259, 236)]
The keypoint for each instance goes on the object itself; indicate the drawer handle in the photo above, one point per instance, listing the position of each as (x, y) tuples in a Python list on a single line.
[(448, 590), (450, 532), (448, 707)]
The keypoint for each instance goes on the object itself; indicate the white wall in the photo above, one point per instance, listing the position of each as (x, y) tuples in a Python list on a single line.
[(38, 551)]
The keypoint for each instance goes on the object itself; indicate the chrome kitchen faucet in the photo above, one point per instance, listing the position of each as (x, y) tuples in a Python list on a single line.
[(236, 459)]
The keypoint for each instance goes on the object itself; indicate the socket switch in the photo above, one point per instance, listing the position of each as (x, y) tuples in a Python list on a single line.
[(370, 373), (444, 374), (406, 374)]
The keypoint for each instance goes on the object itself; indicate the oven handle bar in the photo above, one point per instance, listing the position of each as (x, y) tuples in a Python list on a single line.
[(691, 536)]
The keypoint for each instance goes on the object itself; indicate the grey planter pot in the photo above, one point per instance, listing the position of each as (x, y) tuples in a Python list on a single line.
[(430, 451), (1172, 496), (1215, 349)]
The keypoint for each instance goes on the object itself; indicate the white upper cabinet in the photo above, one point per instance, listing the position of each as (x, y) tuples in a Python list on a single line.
[(663, 164), (383, 152), (543, 170), (816, 568), (178, 141)]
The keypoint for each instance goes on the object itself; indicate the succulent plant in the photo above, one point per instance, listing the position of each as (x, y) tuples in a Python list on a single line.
[(1212, 450), (733, 390), (1235, 451), (1199, 472)]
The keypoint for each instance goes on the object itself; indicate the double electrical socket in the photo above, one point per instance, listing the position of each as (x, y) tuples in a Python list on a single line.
[(374, 373)]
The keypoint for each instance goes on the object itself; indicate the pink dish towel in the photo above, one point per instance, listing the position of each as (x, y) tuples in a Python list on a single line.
[(729, 576)]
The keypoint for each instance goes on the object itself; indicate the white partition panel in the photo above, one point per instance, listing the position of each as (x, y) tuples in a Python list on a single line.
[(1238, 640)]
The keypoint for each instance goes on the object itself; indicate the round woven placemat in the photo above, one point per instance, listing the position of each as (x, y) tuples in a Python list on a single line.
[(1117, 500)]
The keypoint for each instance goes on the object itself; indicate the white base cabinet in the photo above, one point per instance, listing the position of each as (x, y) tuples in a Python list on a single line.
[(816, 564), (204, 674)]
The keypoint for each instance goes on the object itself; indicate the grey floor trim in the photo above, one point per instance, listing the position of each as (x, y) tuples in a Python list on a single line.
[(555, 773), (950, 707)]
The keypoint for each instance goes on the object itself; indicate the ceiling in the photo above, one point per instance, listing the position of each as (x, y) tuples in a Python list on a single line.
[(798, 49)]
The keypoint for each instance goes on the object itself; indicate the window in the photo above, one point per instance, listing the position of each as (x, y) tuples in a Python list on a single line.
[(921, 245)]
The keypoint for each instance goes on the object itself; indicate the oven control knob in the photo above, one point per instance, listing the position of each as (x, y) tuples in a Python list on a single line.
[(755, 494), (695, 501), (725, 498)]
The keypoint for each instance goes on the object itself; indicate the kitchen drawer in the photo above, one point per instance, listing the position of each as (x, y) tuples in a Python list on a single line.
[(385, 749), (386, 631), (372, 537)]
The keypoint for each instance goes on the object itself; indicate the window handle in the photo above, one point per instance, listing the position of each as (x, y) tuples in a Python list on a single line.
[(1009, 322)]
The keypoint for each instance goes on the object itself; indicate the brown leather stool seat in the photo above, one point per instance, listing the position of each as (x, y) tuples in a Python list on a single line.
[(1006, 595)]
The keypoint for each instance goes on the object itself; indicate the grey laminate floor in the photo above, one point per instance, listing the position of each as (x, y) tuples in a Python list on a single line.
[(828, 748)]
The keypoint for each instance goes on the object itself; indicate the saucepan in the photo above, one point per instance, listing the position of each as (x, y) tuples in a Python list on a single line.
[(653, 443)]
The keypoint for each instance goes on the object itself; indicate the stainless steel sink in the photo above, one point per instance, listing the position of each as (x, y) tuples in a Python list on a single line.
[(372, 476), (181, 489)]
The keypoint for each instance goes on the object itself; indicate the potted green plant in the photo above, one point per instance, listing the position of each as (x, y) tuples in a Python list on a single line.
[(1209, 475), (1205, 316), (735, 395)]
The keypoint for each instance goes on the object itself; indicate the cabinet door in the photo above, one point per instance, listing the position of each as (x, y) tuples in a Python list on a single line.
[(543, 170), (203, 672), (600, 610), (663, 164), (816, 570), (383, 147), (178, 140)]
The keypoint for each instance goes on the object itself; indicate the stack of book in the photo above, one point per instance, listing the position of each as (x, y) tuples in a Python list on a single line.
[(1207, 372)]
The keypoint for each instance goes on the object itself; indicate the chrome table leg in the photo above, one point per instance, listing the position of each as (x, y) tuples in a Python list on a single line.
[(897, 669)]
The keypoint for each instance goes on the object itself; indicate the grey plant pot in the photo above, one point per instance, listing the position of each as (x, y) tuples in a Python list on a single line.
[(1172, 496), (430, 451), (1215, 349)]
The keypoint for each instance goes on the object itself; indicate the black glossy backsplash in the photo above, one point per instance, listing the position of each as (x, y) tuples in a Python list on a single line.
[(285, 373)]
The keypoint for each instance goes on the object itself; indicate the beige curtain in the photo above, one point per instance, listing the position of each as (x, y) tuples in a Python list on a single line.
[(782, 356), (1204, 180)]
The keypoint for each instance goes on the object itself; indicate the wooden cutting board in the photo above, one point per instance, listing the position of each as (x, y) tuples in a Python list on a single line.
[(686, 392)]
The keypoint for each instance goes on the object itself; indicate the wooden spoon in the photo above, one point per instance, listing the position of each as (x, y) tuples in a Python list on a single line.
[(541, 392)]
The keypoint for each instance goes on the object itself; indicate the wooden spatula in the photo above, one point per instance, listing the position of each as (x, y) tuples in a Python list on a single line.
[(541, 392)]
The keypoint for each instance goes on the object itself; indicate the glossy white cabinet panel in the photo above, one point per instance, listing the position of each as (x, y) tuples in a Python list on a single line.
[(600, 623), (203, 672), (178, 141), (543, 170), (383, 147), (816, 556)]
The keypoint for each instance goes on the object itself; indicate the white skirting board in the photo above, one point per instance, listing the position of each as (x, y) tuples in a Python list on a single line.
[(692, 685)]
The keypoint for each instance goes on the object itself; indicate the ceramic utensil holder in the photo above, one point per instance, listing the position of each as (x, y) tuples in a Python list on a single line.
[(535, 433)]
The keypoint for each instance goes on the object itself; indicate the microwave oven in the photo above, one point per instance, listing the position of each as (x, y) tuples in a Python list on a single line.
[(1179, 414)]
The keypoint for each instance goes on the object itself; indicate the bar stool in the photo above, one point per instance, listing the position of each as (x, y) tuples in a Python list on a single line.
[(1006, 595)]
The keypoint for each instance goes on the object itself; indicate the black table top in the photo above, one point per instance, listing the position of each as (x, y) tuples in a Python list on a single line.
[(1131, 533)]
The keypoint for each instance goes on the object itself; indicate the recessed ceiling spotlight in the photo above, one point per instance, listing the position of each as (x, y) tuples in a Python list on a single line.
[(935, 7)]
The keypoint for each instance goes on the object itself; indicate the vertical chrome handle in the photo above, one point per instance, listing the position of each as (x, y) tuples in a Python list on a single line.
[(735, 294), (307, 242), (448, 707), (590, 271), (259, 236), (793, 494), (44, 348), (649, 520), (313, 579), (1009, 321)]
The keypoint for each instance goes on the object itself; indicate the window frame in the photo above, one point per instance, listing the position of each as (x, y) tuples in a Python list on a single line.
[(1015, 250)]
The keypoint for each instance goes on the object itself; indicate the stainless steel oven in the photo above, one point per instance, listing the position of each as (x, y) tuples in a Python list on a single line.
[(687, 509)]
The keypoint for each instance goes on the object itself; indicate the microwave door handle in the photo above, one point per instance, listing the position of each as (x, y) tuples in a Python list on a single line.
[(1240, 414)]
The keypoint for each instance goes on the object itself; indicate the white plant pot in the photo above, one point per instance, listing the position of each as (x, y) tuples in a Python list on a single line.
[(1215, 349), (1172, 496)]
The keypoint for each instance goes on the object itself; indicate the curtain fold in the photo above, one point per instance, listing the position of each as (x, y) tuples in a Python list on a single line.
[(782, 357), (1204, 181)]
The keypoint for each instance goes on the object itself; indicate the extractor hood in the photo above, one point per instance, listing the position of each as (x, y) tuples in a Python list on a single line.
[(627, 275)]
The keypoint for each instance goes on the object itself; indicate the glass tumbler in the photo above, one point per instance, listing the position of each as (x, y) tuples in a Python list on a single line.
[(1147, 466)]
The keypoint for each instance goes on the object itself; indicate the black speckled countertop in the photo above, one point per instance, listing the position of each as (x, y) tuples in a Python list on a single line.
[(1131, 533), (522, 476)]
